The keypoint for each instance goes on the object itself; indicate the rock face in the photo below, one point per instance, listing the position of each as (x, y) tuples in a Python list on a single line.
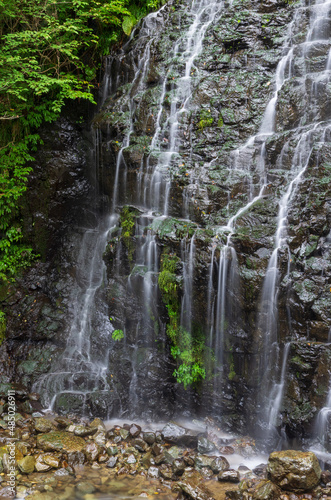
[(294, 470), (181, 210)]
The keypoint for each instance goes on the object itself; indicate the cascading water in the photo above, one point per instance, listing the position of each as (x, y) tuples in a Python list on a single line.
[(156, 178), (308, 136)]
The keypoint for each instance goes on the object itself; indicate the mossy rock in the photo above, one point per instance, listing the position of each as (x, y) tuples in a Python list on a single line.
[(60, 441)]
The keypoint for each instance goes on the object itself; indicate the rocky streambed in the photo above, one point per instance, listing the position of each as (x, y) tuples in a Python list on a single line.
[(67, 457)]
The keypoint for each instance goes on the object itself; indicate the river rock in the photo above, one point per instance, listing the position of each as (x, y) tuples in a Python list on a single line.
[(149, 437), (140, 444), (135, 430), (174, 433), (230, 476), (204, 445), (219, 464), (112, 462), (153, 472), (60, 441), (43, 425), (81, 430), (192, 486), (26, 464), (98, 423), (294, 470)]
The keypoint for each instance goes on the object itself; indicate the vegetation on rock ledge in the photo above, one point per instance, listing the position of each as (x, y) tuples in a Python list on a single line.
[(186, 349), (49, 52)]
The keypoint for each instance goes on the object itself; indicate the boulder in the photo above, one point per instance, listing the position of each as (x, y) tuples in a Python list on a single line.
[(294, 470), (60, 441)]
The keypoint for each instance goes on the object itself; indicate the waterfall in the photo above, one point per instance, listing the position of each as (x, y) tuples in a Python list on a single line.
[(308, 136)]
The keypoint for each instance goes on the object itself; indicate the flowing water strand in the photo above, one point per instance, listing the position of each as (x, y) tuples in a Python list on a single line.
[(308, 137)]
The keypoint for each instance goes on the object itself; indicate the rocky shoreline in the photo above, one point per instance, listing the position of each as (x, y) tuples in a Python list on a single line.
[(66, 457)]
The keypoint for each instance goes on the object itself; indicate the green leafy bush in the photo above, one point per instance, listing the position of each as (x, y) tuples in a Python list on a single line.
[(49, 52), (117, 335)]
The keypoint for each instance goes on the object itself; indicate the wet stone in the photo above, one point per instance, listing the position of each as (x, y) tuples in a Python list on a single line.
[(76, 458), (219, 464), (112, 450), (153, 472), (43, 425), (230, 476), (112, 462), (124, 433), (294, 470), (26, 465), (60, 441), (140, 444), (131, 459), (97, 422), (149, 437), (166, 472), (204, 445), (178, 467), (81, 430), (85, 488), (135, 430)]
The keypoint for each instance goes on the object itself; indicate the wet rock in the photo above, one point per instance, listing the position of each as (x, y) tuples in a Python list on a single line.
[(204, 445), (166, 472), (76, 458), (131, 459), (98, 423), (178, 467), (153, 472), (219, 464), (43, 425), (112, 450), (6, 492), (157, 448), (203, 461), (173, 433), (112, 462), (140, 444), (85, 488), (92, 451), (149, 437), (60, 441), (134, 430), (294, 470), (230, 476), (63, 421), (124, 433), (194, 489), (40, 465), (261, 470), (26, 464), (147, 459), (81, 430), (62, 472)]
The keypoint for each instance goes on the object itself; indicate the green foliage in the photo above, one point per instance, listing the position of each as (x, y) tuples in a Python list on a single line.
[(128, 221), (49, 52), (187, 351), (117, 335), (206, 120)]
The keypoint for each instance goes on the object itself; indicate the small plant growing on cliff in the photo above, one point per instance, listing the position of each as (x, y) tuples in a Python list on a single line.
[(117, 335), (206, 120), (127, 219), (187, 351)]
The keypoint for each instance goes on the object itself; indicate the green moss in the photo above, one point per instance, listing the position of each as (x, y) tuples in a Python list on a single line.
[(206, 120), (127, 222), (187, 351)]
